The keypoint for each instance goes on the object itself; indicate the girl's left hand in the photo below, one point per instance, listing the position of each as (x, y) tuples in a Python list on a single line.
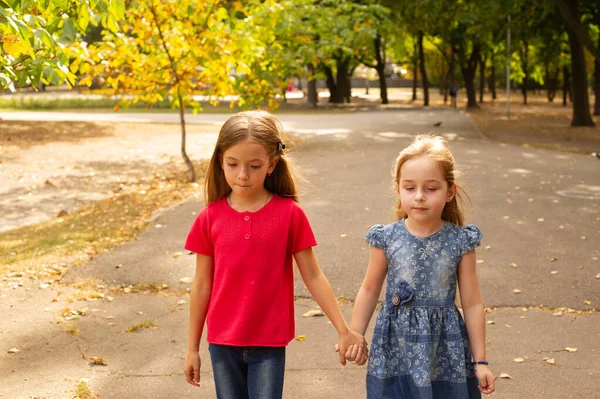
[(486, 379), (347, 340)]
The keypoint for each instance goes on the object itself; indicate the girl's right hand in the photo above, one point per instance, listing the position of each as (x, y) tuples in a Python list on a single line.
[(191, 369)]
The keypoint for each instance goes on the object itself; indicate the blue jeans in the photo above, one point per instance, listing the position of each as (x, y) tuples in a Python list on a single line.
[(248, 372)]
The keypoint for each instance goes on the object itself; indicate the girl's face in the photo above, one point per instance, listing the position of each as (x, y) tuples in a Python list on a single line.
[(246, 165), (423, 190)]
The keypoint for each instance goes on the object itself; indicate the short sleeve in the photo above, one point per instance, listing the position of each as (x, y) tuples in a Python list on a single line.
[(375, 236), (199, 239), (470, 238), (301, 234)]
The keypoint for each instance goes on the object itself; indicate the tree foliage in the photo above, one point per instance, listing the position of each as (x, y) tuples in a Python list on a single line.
[(39, 39)]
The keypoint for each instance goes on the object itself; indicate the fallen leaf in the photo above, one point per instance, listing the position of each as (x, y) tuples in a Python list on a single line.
[(587, 302), (13, 350), (540, 220), (505, 376), (301, 338), (177, 254), (343, 235), (561, 227), (558, 314), (99, 361), (506, 217), (488, 247), (518, 360), (186, 280), (181, 302), (554, 272), (553, 259), (583, 237), (549, 360), (571, 349), (109, 298), (598, 276), (480, 260), (62, 213), (491, 322), (313, 313), (516, 291), (118, 266), (513, 265)]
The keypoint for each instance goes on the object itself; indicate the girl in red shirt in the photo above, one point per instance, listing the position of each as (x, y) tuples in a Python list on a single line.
[(245, 239)]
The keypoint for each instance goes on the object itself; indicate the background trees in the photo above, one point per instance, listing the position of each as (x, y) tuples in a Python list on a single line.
[(184, 51)]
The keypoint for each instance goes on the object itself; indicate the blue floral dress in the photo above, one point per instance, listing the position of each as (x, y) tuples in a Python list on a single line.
[(420, 347)]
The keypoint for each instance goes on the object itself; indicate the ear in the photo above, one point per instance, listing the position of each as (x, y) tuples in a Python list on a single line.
[(451, 193), (272, 163)]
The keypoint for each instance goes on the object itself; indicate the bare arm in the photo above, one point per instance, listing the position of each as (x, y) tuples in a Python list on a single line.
[(369, 292), (321, 291), (472, 305), (199, 300)]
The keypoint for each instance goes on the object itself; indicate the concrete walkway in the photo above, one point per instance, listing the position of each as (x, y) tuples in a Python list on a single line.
[(537, 209)]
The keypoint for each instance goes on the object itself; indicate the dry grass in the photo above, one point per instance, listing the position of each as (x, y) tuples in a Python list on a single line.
[(94, 228)]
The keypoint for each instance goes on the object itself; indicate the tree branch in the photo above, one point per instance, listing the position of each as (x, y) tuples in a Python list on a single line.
[(575, 25)]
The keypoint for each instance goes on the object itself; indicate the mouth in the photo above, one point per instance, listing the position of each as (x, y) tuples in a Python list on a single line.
[(420, 209)]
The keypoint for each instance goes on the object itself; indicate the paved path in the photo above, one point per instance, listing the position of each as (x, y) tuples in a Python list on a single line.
[(348, 168)]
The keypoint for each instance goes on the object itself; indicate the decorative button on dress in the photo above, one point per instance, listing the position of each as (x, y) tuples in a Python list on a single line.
[(420, 347)]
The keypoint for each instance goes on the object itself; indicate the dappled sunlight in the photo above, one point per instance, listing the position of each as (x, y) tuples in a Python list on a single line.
[(396, 135), (581, 191), (529, 155), (320, 132)]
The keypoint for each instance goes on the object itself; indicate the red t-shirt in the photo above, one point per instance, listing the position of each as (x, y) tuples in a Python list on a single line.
[(252, 300)]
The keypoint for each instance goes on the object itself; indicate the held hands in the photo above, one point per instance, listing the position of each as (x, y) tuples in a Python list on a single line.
[(352, 346), (486, 379), (191, 369)]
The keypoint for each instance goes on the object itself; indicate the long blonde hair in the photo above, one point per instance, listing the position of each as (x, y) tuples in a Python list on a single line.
[(262, 128), (435, 147)]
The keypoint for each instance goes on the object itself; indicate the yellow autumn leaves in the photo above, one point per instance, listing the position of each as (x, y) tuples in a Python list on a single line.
[(13, 45)]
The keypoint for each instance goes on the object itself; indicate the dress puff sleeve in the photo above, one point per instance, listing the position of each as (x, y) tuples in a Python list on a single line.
[(375, 237), (470, 238)]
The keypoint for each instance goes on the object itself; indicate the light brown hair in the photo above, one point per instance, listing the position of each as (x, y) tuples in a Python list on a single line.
[(260, 127), (435, 147)]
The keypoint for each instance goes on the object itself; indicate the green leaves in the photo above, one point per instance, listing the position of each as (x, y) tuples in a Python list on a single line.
[(38, 38)]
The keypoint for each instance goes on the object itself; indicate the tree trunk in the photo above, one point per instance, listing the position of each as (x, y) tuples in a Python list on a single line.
[(468, 69), (380, 58), (581, 103), (343, 80), (312, 96), (566, 84), (330, 81), (492, 79), (424, 80), (550, 82), (525, 66), (190, 165), (481, 78), (415, 73), (597, 82), (449, 75)]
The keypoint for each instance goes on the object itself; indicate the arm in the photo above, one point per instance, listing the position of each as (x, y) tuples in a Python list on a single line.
[(199, 300), (472, 305), (320, 289), (369, 292)]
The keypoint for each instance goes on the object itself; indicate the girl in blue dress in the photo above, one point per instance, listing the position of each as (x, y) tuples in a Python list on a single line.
[(422, 347)]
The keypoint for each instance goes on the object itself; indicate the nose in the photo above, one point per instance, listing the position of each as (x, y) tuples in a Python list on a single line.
[(243, 175), (419, 196)]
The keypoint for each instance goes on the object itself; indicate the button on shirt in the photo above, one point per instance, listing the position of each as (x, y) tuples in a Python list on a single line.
[(252, 299)]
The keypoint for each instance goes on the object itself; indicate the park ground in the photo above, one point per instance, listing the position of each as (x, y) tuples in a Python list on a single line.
[(94, 214)]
